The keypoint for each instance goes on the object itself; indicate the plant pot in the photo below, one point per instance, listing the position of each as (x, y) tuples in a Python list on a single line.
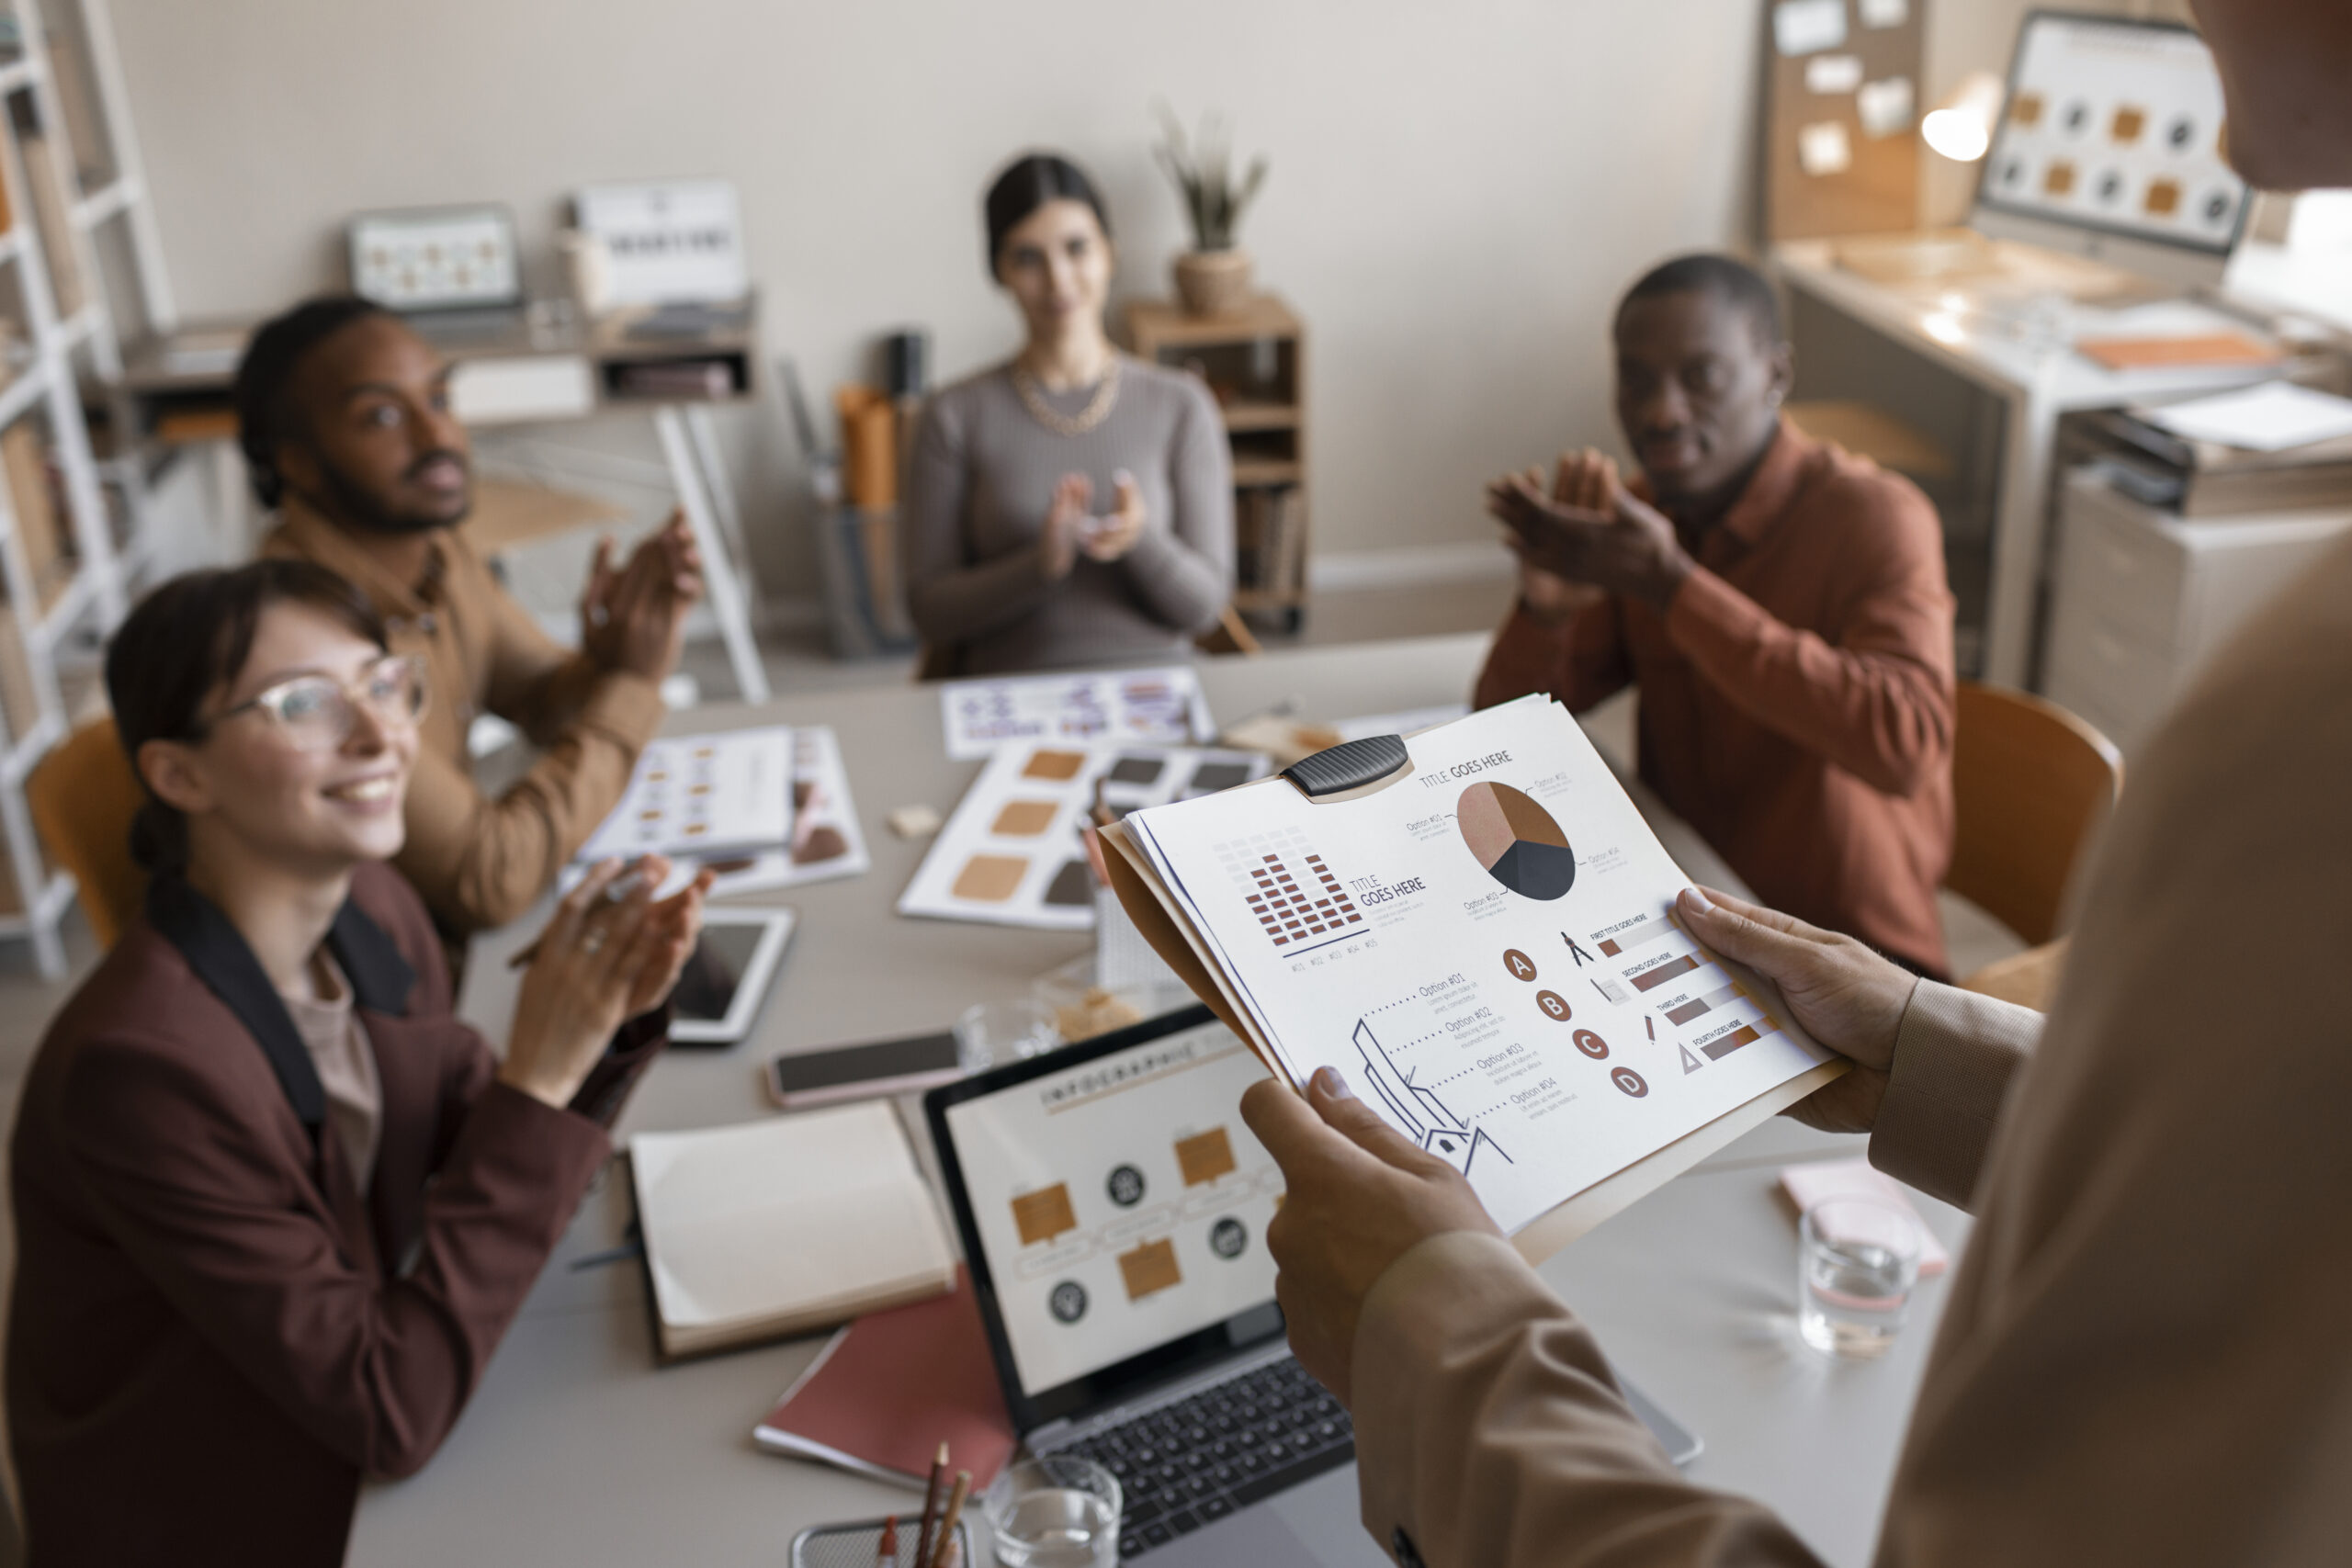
[(1213, 283)]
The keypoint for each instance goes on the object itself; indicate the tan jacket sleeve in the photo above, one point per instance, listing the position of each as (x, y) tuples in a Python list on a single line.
[(1955, 1055), (1489, 1432), (479, 863)]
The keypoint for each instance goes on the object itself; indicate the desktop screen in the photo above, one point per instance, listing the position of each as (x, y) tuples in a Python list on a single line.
[(2116, 126), (1120, 1203)]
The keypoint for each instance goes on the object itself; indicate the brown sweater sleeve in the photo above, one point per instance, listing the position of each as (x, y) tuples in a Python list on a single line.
[(1489, 1431), (1579, 662), (1956, 1055), (1876, 699), (479, 862), (377, 1372)]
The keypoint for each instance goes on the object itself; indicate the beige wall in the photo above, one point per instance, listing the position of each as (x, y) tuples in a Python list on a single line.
[(1458, 190)]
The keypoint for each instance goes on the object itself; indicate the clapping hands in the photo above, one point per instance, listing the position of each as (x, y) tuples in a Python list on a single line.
[(1586, 537), (1073, 530), (634, 619)]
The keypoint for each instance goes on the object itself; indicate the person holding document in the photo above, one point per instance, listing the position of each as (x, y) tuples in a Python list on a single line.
[(276, 1206), (1780, 604), (2144, 1357)]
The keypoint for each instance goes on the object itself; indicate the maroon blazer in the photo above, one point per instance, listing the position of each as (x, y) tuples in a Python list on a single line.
[(212, 1336)]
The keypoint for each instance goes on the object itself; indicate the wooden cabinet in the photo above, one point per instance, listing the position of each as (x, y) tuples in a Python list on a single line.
[(2142, 599), (1254, 360)]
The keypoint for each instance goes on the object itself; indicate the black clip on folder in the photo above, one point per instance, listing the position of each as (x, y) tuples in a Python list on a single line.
[(1349, 766)]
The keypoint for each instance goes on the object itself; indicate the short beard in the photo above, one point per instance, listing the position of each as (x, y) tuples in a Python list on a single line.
[(347, 501)]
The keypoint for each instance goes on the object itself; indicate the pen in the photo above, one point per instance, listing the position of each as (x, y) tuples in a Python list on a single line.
[(620, 888), (934, 1494), (949, 1518)]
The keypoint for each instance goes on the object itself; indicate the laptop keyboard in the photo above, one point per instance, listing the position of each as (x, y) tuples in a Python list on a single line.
[(1193, 1463)]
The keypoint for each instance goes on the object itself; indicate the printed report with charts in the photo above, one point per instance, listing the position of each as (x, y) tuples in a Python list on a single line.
[(1485, 946)]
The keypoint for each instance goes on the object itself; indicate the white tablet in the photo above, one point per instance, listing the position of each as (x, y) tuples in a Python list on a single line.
[(727, 976)]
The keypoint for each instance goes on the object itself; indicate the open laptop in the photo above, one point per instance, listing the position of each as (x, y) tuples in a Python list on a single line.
[(1112, 1207)]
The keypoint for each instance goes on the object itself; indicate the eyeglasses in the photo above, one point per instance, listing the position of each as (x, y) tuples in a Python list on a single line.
[(317, 713)]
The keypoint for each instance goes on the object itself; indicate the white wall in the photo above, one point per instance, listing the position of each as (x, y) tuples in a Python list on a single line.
[(1458, 190)]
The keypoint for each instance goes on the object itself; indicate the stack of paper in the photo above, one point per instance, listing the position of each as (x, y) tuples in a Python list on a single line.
[(781, 1227), (1484, 946)]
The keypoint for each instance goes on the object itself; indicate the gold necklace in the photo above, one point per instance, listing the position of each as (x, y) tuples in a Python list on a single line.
[(1097, 410)]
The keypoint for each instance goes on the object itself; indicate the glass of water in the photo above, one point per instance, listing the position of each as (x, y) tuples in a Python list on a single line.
[(1055, 1511), (989, 1034), (1856, 1261)]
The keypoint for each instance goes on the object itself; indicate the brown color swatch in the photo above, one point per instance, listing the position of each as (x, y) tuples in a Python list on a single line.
[(823, 844), (2059, 179), (990, 879), (2127, 123), (1152, 1266), (1205, 1156), (2026, 109), (1044, 1215), (2163, 199), (1054, 764), (1023, 819)]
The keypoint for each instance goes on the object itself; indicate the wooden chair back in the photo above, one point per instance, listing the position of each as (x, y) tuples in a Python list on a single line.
[(83, 797), (2031, 784), (1231, 634)]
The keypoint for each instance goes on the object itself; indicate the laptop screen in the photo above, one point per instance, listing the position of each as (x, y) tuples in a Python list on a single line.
[(1114, 1207)]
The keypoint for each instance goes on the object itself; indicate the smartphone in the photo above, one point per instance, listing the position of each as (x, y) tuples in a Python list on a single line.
[(864, 1072)]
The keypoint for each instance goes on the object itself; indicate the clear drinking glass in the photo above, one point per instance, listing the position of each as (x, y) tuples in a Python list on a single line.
[(1856, 1261), (993, 1033), (1055, 1511)]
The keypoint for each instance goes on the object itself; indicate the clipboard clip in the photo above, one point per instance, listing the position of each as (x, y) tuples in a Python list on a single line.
[(1351, 765)]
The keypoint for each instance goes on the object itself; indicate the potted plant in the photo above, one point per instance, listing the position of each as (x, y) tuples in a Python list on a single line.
[(1213, 278)]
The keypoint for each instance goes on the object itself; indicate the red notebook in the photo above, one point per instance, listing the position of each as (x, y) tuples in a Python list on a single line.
[(891, 1387)]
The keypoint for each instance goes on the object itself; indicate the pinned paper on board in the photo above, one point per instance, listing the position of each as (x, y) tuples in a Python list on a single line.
[(1884, 13), (1824, 148), (1809, 27), (1884, 107), (1827, 76)]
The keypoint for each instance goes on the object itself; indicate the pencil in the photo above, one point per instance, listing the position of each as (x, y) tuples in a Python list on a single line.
[(950, 1516), (933, 1495)]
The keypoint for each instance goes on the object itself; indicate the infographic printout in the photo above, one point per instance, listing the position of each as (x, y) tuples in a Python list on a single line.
[(1484, 947), (1104, 707)]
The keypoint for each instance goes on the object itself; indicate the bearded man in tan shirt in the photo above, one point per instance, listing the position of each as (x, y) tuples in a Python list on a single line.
[(344, 415), (2145, 1358)]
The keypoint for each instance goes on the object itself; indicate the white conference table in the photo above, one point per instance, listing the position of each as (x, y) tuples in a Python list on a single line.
[(578, 1450)]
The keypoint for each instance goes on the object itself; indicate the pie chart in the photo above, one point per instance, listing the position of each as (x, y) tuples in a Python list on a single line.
[(1516, 840)]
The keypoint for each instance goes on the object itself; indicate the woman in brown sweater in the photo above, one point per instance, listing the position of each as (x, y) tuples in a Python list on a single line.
[(1075, 505), (274, 1205)]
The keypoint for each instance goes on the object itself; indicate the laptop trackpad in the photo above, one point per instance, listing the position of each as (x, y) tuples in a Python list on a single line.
[(1317, 1524)]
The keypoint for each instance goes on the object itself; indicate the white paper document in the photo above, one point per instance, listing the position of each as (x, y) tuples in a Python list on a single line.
[(1156, 708), (1485, 948), (2272, 417), (825, 842), (695, 793), (1012, 855)]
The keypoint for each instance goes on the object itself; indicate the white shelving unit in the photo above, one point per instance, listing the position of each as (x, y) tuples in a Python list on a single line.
[(61, 353)]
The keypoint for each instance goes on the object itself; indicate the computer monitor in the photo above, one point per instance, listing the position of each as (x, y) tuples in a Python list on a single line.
[(2110, 146)]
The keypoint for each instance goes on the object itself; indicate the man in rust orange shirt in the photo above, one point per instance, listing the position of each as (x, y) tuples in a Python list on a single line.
[(1780, 603)]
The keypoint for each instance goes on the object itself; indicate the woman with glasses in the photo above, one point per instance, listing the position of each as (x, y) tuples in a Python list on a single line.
[(1073, 506), (275, 1206)]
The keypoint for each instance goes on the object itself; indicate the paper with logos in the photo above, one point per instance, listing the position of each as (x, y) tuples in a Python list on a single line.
[(1106, 707), (1485, 949)]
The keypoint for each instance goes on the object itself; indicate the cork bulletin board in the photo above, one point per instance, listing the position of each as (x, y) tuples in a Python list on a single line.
[(1841, 117)]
